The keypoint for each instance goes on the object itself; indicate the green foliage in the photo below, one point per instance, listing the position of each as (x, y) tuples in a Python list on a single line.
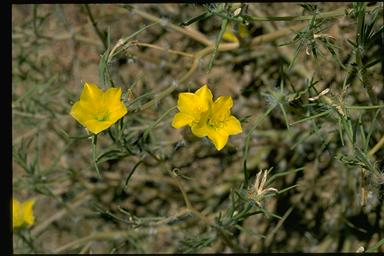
[(305, 175)]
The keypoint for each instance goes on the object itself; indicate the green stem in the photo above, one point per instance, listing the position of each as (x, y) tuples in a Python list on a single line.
[(311, 117), (147, 130), (94, 24), (133, 171), (375, 247), (94, 141), (158, 97), (118, 48), (218, 40), (160, 118)]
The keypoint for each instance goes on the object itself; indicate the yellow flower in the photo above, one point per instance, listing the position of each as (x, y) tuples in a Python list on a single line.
[(243, 31), (229, 36), (191, 106), (97, 110), (235, 31), (22, 213), (207, 118)]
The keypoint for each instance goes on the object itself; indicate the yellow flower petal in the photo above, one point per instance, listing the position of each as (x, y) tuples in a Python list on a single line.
[(218, 137), (28, 211), (80, 113), (96, 126), (91, 93), (22, 213), (205, 98), (195, 103), (232, 126), (187, 102), (181, 119), (229, 36), (200, 130), (221, 108), (223, 102), (98, 110), (243, 31), (205, 117), (117, 111), (112, 95), (17, 214)]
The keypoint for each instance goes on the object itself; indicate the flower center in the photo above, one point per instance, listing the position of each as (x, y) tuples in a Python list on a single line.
[(102, 116), (216, 124), (212, 120)]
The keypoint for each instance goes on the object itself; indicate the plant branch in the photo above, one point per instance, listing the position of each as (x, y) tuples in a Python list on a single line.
[(376, 147), (94, 24), (112, 235), (324, 15), (235, 247)]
